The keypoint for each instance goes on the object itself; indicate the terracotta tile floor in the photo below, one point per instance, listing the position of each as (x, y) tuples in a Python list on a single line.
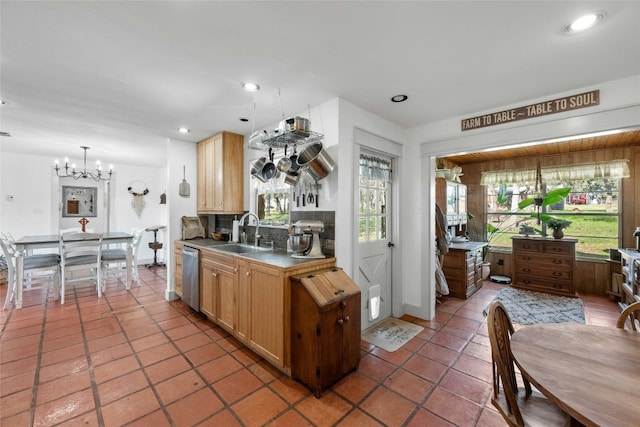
[(131, 358)]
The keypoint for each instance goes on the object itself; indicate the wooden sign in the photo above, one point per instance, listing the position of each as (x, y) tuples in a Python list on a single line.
[(560, 105)]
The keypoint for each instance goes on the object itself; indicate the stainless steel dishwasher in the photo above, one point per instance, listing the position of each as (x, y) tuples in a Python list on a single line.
[(191, 277)]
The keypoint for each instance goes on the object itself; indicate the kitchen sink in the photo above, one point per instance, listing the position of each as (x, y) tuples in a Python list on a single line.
[(241, 248)]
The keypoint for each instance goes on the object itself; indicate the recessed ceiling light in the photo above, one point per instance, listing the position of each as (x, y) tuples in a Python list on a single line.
[(583, 23), (250, 87), (184, 130), (399, 98)]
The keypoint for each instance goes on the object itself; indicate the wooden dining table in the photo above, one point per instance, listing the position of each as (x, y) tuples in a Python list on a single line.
[(591, 372), (28, 243)]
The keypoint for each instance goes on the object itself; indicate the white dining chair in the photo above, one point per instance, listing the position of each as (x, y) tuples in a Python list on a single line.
[(46, 266), (75, 230), (115, 259), (80, 252)]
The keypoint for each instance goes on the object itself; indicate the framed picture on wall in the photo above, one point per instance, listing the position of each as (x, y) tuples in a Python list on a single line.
[(79, 201)]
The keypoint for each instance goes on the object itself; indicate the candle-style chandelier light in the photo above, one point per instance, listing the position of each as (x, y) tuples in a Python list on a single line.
[(70, 171)]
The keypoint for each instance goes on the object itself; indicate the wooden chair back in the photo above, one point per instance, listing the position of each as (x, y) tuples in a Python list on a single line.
[(630, 316), (532, 409), (500, 330)]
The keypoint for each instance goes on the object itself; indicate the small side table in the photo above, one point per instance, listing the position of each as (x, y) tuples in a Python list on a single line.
[(155, 245)]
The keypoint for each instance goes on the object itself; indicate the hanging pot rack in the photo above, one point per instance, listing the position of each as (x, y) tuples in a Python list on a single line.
[(291, 139), (284, 136)]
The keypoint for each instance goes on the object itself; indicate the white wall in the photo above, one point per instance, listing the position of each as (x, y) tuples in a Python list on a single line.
[(324, 120), (35, 208), (179, 154)]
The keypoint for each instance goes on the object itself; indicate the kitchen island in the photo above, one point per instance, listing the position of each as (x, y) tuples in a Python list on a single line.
[(249, 294)]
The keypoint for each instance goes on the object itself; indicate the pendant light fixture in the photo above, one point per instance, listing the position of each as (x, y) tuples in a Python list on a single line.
[(71, 172)]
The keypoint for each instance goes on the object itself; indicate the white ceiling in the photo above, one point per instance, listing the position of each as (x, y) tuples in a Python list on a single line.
[(121, 77)]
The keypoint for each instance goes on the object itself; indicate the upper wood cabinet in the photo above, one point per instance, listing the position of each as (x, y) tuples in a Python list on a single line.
[(221, 174)]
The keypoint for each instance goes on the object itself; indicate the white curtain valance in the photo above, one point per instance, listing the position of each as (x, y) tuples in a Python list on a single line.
[(375, 168), (613, 169)]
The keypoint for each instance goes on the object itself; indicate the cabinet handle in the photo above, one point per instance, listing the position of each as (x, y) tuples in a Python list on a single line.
[(340, 321), (526, 270), (526, 258), (556, 274), (248, 274), (557, 261), (214, 274), (346, 318), (235, 270)]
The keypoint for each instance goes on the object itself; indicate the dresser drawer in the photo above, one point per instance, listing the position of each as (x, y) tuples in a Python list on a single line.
[(531, 272), (543, 286), (558, 248), (527, 246)]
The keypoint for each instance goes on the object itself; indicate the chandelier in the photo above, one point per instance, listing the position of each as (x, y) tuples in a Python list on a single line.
[(70, 171)]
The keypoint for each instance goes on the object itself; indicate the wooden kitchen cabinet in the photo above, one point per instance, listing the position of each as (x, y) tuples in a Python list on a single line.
[(462, 267), (267, 304), (325, 328), (218, 289), (252, 301), (544, 265), (208, 287), (221, 174), (177, 276)]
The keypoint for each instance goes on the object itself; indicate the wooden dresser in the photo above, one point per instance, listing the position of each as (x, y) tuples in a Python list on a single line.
[(544, 264), (462, 267)]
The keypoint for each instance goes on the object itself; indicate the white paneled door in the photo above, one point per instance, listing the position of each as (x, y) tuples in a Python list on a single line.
[(375, 244)]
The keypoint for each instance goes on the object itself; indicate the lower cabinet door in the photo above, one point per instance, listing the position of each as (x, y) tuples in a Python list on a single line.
[(228, 309), (208, 284)]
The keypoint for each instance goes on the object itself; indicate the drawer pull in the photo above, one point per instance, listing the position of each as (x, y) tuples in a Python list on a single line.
[(556, 274), (346, 318), (526, 258), (557, 261), (340, 321), (526, 270)]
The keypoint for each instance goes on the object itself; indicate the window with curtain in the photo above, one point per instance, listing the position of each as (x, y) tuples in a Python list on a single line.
[(592, 205), (375, 176)]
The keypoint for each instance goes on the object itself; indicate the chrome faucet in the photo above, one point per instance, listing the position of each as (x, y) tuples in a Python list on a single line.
[(257, 236)]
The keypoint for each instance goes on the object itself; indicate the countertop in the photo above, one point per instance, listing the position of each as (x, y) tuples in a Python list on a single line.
[(467, 246), (276, 257)]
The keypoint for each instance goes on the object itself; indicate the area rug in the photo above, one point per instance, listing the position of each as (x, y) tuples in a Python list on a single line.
[(391, 333), (529, 307)]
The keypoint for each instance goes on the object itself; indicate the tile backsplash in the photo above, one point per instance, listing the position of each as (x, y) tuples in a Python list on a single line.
[(279, 235)]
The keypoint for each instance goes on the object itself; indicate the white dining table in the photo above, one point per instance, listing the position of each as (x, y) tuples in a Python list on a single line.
[(28, 243)]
